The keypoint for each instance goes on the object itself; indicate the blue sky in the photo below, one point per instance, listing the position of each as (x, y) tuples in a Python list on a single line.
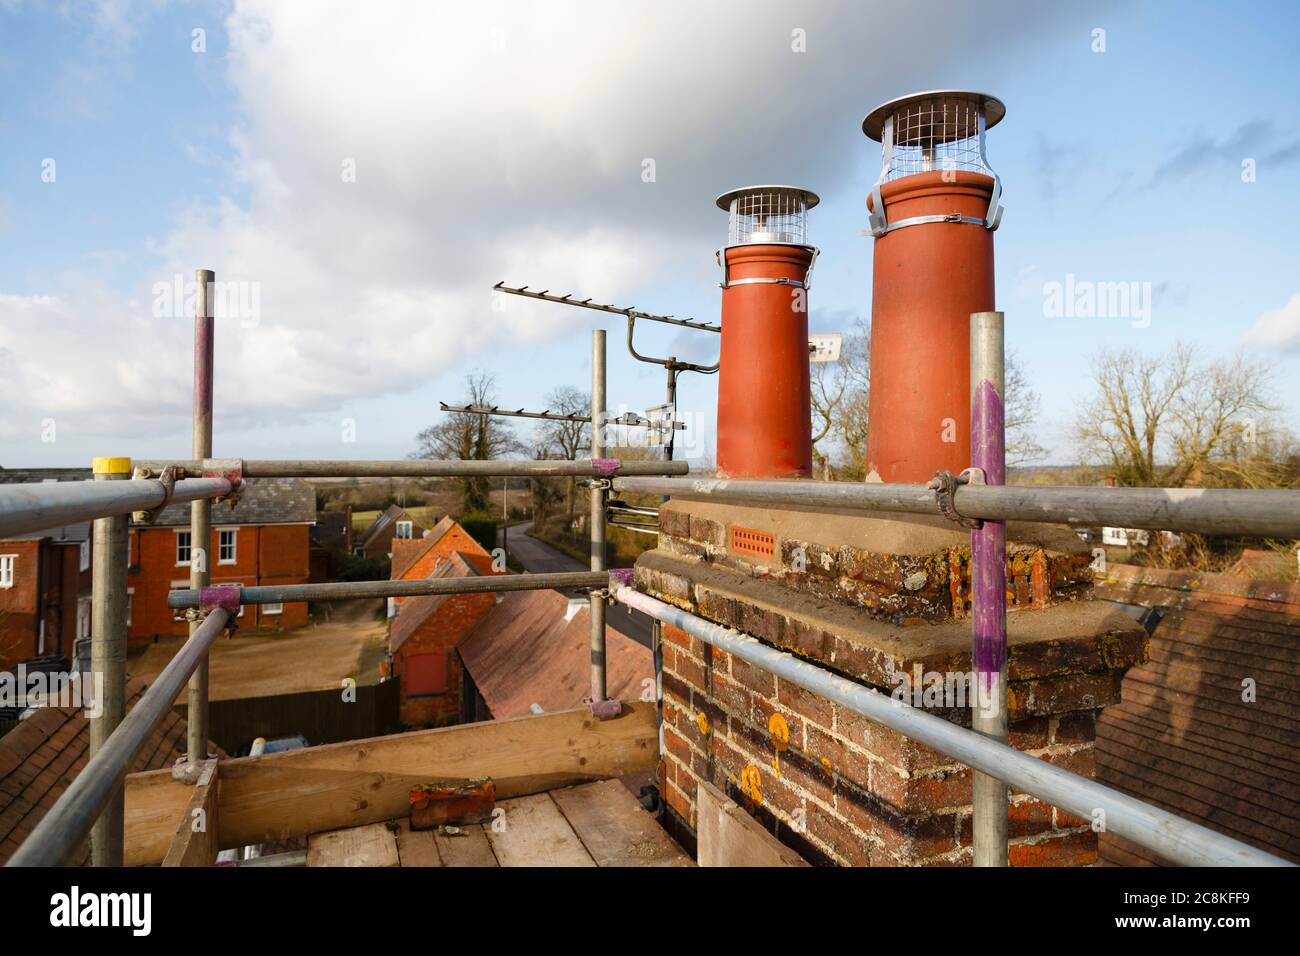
[(507, 143)]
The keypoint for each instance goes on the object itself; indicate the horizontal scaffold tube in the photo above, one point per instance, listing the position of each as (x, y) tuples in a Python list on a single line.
[(347, 590), (1175, 839), (63, 830), (54, 504), (1269, 513), (422, 468)]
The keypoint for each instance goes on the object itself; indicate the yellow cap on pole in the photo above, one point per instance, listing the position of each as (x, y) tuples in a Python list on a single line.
[(111, 466)]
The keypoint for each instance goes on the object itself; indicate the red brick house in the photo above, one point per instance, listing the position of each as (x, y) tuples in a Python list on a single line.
[(265, 539), (377, 540), (415, 558), (422, 643), (44, 594)]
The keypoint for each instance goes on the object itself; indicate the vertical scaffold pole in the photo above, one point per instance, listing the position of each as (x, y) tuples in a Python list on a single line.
[(989, 583), (110, 547), (201, 511), (598, 686)]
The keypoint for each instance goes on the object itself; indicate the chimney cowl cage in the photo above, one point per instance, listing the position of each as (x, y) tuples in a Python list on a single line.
[(936, 131), (767, 215)]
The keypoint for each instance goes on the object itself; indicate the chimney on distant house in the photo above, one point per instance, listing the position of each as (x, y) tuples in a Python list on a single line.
[(764, 418), (933, 208)]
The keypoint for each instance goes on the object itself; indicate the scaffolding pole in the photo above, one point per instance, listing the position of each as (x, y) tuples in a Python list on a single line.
[(111, 553), (1233, 511), (196, 714), (185, 599), (597, 518), (988, 585), (57, 504), (421, 468)]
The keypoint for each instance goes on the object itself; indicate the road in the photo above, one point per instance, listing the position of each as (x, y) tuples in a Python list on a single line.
[(538, 557)]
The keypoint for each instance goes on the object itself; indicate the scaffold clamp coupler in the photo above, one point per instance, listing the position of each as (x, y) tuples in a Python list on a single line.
[(220, 595), (231, 469), (606, 709), (606, 466), (167, 478), (944, 484)]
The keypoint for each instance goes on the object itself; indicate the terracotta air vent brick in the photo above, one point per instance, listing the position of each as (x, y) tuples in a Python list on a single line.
[(758, 544)]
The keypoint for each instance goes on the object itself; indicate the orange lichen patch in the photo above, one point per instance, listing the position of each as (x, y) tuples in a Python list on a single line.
[(827, 765), (779, 731), (751, 784), (702, 721)]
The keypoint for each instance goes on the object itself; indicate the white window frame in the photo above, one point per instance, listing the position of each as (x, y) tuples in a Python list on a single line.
[(221, 545), (84, 556), (272, 609), (189, 549), (406, 526), (130, 600), (8, 566)]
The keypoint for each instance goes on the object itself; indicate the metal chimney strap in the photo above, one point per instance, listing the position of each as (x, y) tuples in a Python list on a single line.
[(881, 226)]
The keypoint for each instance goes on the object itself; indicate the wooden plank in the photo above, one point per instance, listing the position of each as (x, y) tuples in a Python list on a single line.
[(416, 847), (614, 827), (299, 792), (196, 838), (289, 858), (728, 836), (469, 847), (536, 834), (370, 845)]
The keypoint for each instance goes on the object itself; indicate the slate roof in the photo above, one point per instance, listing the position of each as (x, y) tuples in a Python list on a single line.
[(71, 534), (33, 475), (527, 650), (43, 755), (262, 501), (1182, 737)]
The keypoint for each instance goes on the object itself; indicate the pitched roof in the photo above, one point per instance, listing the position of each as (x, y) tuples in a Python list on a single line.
[(262, 501), (531, 649), (416, 610), (71, 534), (391, 513), (407, 554), (1182, 737), (43, 755), (32, 475)]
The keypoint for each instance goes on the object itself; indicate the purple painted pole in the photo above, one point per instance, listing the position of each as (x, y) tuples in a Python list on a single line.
[(989, 583), (196, 749)]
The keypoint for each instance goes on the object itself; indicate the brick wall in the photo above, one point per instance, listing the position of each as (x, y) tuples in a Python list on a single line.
[(873, 599), (18, 604), (264, 554), (453, 539), (440, 633), (838, 787)]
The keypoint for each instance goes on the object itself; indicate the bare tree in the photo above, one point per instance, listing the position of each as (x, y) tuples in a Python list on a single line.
[(567, 439), (1161, 420), (840, 397), (839, 403), (465, 437), (1021, 406)]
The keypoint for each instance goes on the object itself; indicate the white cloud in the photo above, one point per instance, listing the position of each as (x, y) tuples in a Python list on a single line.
[(490, 141), (1277, 328)]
